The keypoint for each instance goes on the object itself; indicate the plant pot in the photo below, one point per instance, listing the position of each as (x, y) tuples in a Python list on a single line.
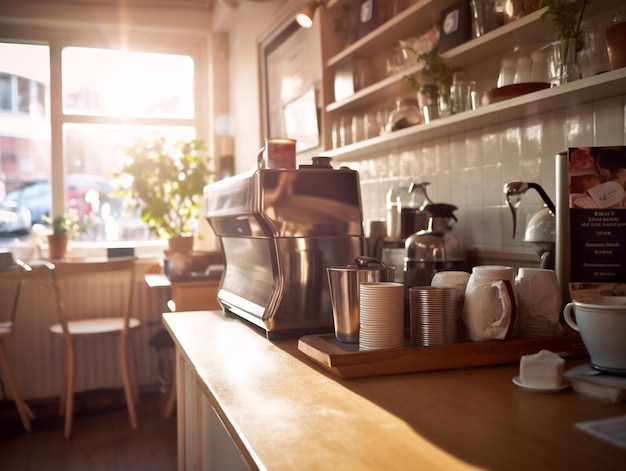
[(181, 244), (57, 246), (616, 44)]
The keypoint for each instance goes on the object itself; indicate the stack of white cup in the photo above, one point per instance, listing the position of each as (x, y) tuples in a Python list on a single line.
[(381, 315)]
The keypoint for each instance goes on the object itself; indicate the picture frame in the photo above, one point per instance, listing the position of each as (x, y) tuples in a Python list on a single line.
[(455, 26), (291, 73), (302, 120)]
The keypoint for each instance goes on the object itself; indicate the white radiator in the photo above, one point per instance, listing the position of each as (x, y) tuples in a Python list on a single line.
[(37, 358)]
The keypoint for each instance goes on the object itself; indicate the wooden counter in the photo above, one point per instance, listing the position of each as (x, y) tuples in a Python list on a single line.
[(282, 412)]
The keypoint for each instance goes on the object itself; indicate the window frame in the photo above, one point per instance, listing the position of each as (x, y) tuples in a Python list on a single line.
[(196, 44)]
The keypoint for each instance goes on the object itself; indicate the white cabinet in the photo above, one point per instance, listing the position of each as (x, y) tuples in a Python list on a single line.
[(478, 58)]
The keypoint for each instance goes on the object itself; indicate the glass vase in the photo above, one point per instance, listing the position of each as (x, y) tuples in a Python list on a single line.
[(570, 71), (562, 62)]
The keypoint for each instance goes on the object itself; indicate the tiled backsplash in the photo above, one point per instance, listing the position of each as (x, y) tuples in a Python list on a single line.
[(470, 169)]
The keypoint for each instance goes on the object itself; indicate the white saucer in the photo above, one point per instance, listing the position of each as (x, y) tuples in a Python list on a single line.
[(518, 382)]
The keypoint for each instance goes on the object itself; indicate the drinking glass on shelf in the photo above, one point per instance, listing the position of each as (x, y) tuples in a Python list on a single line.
[(463, 93), (487, 15), (507, 72), (371, 126), (397, 62), (357, 128), (361, 74), (594, 58), (345, 131), (334, 135), (381, 118), (539, 69)]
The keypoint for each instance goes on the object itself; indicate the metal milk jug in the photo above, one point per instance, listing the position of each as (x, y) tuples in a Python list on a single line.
[(345, 282)]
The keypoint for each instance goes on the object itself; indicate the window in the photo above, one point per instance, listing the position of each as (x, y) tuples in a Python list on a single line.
[(5, 92), (23, 94), (108, 98)]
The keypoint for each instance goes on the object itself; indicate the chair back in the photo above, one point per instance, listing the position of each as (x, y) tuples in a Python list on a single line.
[(10, 286), (94, 289)]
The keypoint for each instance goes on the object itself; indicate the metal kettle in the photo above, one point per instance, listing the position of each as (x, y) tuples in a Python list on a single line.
[(434, 249), (541, 228)]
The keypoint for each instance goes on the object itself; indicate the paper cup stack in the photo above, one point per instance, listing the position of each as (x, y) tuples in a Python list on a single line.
[(457, 280), (381, 315), (433, 315)]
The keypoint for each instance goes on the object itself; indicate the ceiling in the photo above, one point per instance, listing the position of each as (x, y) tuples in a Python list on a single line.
[(204, 4), (194, 4)]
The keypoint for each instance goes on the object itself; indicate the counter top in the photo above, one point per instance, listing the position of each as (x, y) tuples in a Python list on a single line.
[(284, 412)]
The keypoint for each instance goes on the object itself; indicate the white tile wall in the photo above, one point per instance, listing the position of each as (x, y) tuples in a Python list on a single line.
[(470, 169)]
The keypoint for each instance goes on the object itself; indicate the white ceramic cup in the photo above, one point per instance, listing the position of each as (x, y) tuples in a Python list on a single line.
[(489, 309), (602, 326)]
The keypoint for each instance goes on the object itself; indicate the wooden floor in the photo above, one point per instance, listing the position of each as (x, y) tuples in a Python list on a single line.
[(102, 438)]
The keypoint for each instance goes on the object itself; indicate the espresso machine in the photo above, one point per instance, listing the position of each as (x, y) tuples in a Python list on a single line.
[(280, 230)]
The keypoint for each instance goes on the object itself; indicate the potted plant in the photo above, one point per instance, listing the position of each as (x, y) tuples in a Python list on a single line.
[(63, 226), (567, 16), (165, 183), (436, 89)]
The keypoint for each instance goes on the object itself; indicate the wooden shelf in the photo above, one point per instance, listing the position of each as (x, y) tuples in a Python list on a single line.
[(480, 55), (582, 91), (496, 43), (413, 21)]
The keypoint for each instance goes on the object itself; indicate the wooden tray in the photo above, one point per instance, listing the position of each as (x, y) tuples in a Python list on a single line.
[(346, 361)]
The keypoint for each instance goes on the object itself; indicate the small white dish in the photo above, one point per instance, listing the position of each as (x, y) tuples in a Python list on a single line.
[(517, 382)]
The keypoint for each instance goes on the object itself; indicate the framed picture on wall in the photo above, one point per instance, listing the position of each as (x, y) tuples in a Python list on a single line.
[(291, 77), (301, 120)]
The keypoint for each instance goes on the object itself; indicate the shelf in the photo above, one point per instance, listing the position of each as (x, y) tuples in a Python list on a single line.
[(495, 43), (414, 20), (479, 58), (390, 88), (582, 91), (420, 16)]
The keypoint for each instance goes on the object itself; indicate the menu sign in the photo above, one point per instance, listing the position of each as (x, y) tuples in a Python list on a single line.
[(597, 206)]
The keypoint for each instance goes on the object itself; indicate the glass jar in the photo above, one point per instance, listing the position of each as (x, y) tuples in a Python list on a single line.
[(616, 40)]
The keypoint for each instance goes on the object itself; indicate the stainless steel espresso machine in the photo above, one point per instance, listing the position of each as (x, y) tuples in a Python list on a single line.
[(280, 230)]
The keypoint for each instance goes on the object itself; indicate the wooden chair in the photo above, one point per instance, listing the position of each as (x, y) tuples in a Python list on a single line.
[(10, 286), (75, 323)]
